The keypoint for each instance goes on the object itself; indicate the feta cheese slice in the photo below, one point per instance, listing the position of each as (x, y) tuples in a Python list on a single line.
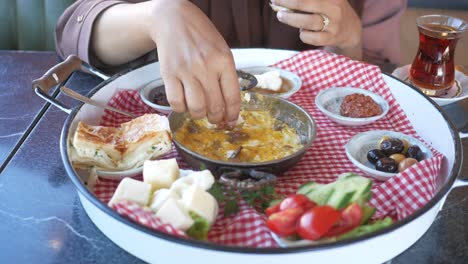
[(160, 197), (132, 190), (173, 213), (160, 173), (200, 202), (270, 80)]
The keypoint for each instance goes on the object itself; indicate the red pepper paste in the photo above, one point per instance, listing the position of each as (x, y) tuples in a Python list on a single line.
[(359, 105)]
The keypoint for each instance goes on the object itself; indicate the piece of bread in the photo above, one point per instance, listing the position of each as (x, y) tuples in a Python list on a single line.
[(146, 137), (96, 146), (123, 148)]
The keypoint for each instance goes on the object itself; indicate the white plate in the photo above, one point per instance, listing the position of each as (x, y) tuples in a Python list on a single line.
[(292, 77), (358, 146), (329, 102), (458, 91), (118, 175)]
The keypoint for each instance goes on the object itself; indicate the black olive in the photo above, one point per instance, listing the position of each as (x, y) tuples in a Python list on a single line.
[(158, 96), (392, 146), (374, 155), (415, 153), (386, 165)]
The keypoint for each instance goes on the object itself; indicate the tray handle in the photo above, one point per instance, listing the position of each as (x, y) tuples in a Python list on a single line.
[(57, 75)]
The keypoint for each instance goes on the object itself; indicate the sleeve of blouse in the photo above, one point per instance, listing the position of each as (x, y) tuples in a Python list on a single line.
[(381, 30), (74, 27)]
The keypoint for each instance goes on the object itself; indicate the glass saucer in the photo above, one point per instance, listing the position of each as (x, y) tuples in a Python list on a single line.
[(458, 91)]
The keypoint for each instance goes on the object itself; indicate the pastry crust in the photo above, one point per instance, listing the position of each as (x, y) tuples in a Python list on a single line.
[(122, 148)]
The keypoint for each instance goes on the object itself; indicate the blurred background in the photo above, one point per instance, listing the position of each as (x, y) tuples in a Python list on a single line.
[(29, 24)]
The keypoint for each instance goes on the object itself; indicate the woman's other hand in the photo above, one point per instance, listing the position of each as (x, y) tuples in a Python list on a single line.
[(196, 63), (343, 33)]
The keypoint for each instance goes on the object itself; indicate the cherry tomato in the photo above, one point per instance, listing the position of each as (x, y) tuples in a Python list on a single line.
[(284, 223), (314, 223), (272, 209), (296, 200), (350, 218)]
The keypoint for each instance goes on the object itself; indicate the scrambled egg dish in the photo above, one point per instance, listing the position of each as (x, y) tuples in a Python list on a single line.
[(258, 137)]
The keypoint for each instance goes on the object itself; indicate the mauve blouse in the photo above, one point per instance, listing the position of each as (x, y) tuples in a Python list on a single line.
[(242, 23)]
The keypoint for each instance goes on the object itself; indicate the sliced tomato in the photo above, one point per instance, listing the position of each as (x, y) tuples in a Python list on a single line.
[(272, 209), (296, 200), (350, 218), (284, 223), (317, 221)]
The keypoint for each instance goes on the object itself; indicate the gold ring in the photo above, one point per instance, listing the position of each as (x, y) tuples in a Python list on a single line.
[(325, 22)]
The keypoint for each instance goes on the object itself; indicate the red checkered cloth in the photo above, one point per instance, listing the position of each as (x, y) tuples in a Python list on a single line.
[(397, 197)]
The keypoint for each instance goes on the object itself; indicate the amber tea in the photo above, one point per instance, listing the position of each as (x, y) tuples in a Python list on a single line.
[(433, 68)]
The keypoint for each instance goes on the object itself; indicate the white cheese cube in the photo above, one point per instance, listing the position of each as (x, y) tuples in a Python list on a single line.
[(132, 190), (200, 202), (173, 213), (160, 196), (181, 184), (160, 173), (203, 178)]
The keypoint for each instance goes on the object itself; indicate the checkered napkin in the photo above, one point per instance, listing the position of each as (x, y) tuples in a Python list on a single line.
[(397, 197)]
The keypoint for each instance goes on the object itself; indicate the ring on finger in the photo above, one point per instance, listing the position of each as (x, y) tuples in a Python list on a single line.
[(325, 22)]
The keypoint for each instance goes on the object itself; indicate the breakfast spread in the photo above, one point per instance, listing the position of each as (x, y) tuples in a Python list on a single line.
[(121, 148), (198, 203), (359, 105)]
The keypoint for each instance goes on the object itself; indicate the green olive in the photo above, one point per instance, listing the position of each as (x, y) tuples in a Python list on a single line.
[(398, 157), (406, 163)]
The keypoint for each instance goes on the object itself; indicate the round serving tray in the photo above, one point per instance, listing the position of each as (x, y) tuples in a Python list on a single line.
[(378, 247)]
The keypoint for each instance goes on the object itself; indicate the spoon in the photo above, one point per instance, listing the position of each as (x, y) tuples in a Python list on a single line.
[(246, 80), (87, 100)]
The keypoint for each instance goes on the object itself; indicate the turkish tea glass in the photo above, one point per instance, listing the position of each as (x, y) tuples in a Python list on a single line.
[(433, 68)]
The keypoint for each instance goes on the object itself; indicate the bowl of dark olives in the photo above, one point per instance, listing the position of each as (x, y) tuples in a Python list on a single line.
[(154, 95), (382, 154)]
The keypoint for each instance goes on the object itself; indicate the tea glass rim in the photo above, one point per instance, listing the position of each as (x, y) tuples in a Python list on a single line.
[(458, 29)]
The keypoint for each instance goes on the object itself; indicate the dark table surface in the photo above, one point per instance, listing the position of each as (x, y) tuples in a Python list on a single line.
[(41, 217)]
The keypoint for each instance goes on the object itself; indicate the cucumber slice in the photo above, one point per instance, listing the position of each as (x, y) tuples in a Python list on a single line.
[(360, 184), (340, 199), (367, 212), (366, 229), (308, 187), (321, 195)]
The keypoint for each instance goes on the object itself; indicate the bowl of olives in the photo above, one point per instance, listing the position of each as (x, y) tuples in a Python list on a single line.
[(382, 154)]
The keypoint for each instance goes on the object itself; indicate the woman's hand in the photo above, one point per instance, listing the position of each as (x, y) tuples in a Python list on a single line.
[(342, 33), (196, 63)]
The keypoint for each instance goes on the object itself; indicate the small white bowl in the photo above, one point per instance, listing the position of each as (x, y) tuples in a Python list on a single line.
[(329, 102), (293, 78), (144, 95), (359, 145)]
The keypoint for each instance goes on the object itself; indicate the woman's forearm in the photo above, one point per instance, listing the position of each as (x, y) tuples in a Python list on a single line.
[(120, 34)]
